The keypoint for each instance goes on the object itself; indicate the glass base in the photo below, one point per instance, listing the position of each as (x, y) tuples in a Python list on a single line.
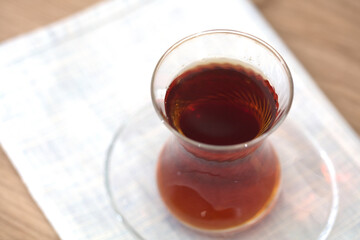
[(305, 209)]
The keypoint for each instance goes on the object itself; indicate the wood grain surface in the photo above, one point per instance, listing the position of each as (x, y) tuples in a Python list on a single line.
[(323, 34)]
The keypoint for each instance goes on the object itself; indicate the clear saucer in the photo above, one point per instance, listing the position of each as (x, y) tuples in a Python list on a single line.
[(306, 208)]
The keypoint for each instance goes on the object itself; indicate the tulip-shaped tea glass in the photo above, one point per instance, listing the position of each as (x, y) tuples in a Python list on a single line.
[(215, 170), (221, 93)]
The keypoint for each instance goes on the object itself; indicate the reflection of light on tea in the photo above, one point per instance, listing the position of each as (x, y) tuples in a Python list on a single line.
[(203, 213)]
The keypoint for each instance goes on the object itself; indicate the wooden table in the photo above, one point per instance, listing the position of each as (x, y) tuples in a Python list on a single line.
[(323, 34)]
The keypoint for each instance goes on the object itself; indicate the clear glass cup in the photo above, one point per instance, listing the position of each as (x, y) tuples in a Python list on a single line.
[(220, 188)]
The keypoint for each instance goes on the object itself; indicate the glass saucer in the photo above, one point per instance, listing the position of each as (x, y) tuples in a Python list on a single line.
[(306, 208)]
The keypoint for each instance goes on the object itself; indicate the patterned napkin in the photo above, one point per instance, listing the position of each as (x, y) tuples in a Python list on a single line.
[(67, 87)]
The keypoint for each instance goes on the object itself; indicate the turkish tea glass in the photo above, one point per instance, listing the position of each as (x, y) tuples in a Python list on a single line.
[(223, 188)]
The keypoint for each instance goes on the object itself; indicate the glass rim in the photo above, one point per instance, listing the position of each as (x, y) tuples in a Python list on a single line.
[(246, 144)]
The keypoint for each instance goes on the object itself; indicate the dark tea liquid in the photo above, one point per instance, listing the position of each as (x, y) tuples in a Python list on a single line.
[(219, 104)]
